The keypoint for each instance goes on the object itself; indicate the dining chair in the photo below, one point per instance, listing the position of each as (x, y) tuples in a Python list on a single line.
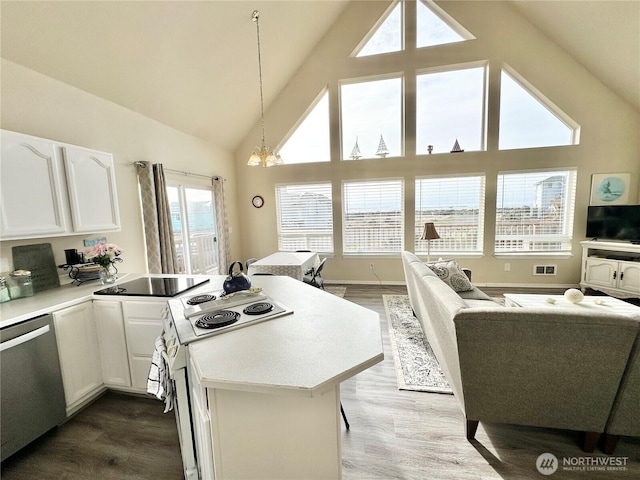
[(249, 262), (313, 276)]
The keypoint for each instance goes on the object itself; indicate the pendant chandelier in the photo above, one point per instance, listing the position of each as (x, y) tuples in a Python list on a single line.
[(263, 155)]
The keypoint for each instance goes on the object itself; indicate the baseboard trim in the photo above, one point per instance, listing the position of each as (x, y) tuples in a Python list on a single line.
[(479, 285), (364, 282)]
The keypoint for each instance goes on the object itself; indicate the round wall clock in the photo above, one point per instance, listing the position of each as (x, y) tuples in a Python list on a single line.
[(257, 201)]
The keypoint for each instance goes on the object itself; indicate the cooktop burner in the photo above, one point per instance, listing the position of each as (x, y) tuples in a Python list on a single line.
[(258, 308), (200, 299), (218, 319)]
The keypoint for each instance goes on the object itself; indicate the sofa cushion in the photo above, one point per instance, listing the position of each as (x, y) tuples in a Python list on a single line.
[(475, 303), (450, 273), (474, 294)]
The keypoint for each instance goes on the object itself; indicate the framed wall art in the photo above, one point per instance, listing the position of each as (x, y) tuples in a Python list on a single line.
[(610, 188)]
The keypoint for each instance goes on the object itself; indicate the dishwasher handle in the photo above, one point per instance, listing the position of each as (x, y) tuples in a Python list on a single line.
[(14, 342)]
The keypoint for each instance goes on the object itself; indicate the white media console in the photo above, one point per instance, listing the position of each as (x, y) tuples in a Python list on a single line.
[(611, 267)]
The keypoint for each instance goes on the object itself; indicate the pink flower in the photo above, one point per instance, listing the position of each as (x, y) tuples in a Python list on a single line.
[(103, 254)]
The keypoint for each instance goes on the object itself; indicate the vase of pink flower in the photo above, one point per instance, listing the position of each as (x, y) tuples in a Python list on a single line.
[(105, 255)]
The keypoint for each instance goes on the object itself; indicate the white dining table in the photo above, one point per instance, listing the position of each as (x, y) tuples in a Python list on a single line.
[(291, 264)]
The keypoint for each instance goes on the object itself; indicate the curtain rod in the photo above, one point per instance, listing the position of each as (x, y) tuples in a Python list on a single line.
[(187, 174)]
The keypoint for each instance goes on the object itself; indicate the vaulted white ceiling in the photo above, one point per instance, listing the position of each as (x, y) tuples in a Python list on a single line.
[(193, 64)]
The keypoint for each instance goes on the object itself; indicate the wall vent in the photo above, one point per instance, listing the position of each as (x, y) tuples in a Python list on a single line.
[(544, 269)]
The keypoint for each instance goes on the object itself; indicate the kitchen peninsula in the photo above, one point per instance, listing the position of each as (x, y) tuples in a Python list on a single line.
[(266, 398)]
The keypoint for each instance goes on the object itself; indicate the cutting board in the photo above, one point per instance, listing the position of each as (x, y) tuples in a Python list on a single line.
[(39, 260)]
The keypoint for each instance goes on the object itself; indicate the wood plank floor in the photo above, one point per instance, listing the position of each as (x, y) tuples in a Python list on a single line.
[(394, 434), (115, 438)]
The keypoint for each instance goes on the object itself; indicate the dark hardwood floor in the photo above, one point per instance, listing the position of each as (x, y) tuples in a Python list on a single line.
[(394, 434), (116, 437)]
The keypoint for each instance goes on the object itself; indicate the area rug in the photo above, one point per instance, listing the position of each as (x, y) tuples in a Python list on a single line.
[(337, 291), (416, 365)]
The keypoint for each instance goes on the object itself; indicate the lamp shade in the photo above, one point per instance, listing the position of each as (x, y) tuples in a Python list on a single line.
[(429, 232)]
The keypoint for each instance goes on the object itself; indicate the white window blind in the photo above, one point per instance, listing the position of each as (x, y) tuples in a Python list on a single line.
[(534, 211), (305, 217), (373, 217), (456, 207)]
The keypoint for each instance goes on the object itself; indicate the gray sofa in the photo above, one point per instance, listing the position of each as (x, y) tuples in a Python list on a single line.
[(624, 419), (522, 366)]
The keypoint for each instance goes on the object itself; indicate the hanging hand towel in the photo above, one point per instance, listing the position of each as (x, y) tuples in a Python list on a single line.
[(159, 383)]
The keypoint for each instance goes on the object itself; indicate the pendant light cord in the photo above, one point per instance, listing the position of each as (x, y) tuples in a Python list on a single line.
[(256, 17)]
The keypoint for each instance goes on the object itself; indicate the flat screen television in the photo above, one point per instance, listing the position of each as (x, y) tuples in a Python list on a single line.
[(614, 222)]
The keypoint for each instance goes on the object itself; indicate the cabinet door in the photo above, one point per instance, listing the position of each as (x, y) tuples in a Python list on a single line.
[(629, 279), (78, 352), (91, 183), (112, 342), (601, 272), (143, 324), (31, 203)]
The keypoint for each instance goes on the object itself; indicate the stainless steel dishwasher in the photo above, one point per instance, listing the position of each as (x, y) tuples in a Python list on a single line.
[(32, 396)]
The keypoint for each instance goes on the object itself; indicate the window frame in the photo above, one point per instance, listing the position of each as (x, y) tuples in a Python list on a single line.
[(484, 114), (279, 218), (401, 216), (293, 130), (419, 221), (373, 78), (545, 102), (568, 223)]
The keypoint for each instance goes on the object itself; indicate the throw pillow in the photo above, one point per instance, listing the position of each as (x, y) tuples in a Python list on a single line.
[(450, 273)]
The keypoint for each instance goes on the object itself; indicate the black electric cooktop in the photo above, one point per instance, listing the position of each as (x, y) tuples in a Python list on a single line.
[(153, 287)]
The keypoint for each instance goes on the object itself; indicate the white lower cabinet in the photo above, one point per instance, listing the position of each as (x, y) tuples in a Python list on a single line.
[(79, 354), (618, 277), (611, 267), (143, 324), (112, 342)]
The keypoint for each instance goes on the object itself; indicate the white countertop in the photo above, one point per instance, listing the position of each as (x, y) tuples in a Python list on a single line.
[(48, 301), (325, 341)]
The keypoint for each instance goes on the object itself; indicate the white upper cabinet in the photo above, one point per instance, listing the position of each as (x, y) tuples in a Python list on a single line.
[(52, 189), (91, 182), (32, 204)]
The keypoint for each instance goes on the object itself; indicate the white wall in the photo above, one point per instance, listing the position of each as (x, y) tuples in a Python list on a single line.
[(609, 135), (39, 105)]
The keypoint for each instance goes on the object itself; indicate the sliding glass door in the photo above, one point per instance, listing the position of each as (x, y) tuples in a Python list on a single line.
[(194, 229)]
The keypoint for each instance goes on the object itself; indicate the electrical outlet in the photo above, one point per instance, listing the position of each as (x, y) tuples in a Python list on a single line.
[(371, 266), (507, 267)]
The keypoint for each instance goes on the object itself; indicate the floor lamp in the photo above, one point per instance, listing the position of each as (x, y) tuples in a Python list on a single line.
[(429, 234)]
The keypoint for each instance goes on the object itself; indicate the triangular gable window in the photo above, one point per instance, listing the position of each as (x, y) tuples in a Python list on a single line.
[(435, 27), (309, 141), (386, 36), (529, 120)]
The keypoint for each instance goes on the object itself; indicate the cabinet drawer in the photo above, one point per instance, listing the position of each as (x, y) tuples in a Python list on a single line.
[(144, 310)]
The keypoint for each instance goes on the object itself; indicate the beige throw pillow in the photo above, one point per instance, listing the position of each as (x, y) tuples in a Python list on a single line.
[(450, 273)]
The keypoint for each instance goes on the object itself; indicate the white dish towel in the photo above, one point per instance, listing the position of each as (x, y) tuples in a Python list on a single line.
[(159, 383)]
